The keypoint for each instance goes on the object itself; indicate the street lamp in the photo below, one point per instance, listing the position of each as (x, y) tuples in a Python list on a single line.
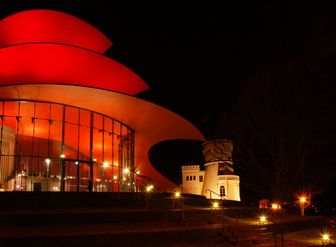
[(303, 202), (262, 219), (47, 161), (325, 239)]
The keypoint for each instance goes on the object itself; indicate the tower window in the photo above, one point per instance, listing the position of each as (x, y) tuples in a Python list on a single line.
[(222, 191), (201, 178), (194, 178), (187, 178)]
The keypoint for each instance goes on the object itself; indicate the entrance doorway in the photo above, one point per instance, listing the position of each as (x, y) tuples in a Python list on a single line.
[(76, 176), (37, 187)]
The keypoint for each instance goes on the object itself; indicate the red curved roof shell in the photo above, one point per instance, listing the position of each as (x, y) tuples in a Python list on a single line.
[(63, 64), (49, 26)]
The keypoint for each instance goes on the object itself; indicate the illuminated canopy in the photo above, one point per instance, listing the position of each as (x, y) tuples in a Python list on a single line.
[(49, 26)]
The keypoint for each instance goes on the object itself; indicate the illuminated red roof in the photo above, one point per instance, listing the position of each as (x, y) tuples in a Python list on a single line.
[(49, 26), (62, 64), (51, 56)]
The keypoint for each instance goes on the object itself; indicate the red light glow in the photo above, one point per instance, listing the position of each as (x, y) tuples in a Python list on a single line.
[(61, 64), (49, 26)]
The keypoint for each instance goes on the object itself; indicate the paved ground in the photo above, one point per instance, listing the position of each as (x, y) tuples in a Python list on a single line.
[(300, 231)]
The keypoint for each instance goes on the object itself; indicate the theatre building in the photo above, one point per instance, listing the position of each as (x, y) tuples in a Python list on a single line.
[(69, 117)]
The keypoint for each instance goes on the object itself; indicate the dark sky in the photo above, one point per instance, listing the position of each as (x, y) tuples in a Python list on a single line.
[(193, 55), (196, 56)]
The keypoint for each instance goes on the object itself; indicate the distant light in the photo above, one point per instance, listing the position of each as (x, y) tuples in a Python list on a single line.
[(262, 219), (276, 206), (115, 177), (126, 170), (128, 184), (303, 199), (137, 172), (47, 161), (149, 188), (62, 156), (325, 237), (76, 162), (94, 159), (177, 194), (215, 204), (105, 164)]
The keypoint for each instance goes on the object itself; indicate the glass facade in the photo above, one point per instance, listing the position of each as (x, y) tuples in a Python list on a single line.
[(53, 147)]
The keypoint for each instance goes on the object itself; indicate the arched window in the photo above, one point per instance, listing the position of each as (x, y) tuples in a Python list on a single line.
[(222, 191), (187, 178), (194, 178)]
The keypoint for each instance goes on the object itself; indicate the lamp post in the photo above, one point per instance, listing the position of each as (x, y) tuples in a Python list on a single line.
[(303, 203), (47, 161), (105, 165)]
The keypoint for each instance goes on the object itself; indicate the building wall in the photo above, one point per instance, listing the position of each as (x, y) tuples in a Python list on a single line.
[(192, 180), (210, 185)]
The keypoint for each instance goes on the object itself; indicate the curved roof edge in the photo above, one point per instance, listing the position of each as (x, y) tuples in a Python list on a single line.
[(54, 63), (152, 123), (50, 26)]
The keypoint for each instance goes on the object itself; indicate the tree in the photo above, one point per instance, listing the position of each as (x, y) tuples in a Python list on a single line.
[(283, 127)]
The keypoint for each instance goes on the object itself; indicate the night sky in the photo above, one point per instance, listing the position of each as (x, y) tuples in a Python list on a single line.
[(200, 60)]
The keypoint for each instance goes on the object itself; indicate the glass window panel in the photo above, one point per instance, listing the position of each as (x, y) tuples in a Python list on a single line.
[(55, 138), (41, 128), (108, 147), (25, 136), (98, 121), (85, 118), (97, 144), (71, 141), (1, 107), (56, 112), (27, 109), (11, 108), (84, 143), (10, 122), (42, 110), (71, 115)]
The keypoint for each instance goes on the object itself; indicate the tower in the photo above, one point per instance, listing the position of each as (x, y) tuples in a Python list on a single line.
[(219, 179)]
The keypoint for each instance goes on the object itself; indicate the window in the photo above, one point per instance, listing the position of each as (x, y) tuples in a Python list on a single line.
[(194, 178), (222, 191), (187, 178), (201, 178)]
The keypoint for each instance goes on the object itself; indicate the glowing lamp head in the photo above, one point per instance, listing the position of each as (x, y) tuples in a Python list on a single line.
[(275, 206), (115, 177), (47, 161), (76, 162), (126, 170), (94, 160), (303, 199), (177, 194), (137, 172), (262, 219), (105, 164), (325, 237), (215, 204), (149, 188), (62, 156)]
